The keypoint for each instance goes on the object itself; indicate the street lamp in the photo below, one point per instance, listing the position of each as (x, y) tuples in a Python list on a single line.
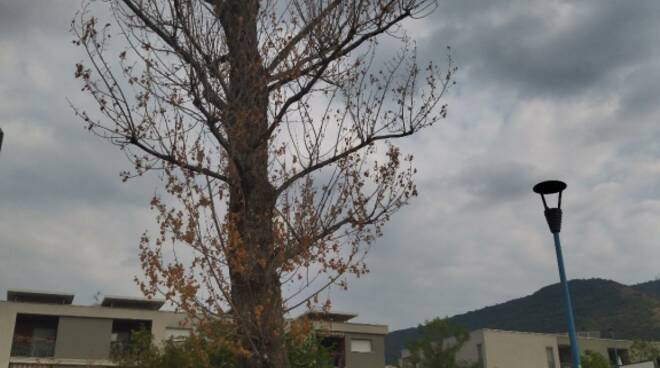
[(553, 217), (1, 136)]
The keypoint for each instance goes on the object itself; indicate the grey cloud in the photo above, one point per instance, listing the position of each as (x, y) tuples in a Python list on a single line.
[(546, 89), (17, 17), (555, 48), (48, 159), (498, 182), (77, 248), (640, 96)]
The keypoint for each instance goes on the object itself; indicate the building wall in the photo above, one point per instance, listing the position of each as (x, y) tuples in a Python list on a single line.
[(505, 349), (469, 352), (83, 338), (374, 359), (596, 345), (7, 320)]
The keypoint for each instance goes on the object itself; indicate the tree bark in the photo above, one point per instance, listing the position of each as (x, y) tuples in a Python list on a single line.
[(256, 290)]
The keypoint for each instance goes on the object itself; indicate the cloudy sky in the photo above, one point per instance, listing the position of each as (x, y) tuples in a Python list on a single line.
[(546, 89)]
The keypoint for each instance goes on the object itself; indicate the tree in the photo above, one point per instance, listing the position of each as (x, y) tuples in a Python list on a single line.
[(437, 348), (591, 359), (272, 126), (641, 351)]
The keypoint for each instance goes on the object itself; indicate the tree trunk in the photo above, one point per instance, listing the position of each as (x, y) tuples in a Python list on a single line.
[(256, 289)]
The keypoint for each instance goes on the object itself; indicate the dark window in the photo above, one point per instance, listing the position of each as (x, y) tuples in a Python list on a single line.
[(480, 355), (34, 335), (565, 360), (624, 355), (613, 354), (122, 330), (335, 344), (618, 356)]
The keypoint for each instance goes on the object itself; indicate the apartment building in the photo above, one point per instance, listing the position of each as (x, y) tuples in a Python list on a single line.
[(515, 349), (46, 330)]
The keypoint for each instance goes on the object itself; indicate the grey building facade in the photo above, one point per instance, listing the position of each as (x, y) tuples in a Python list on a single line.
[(46, 330)]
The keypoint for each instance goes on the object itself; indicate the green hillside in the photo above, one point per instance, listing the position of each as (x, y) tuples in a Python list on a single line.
[(649, 287), (630, 311)]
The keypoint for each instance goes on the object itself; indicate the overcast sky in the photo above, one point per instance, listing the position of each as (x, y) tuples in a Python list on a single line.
[(546, 89)]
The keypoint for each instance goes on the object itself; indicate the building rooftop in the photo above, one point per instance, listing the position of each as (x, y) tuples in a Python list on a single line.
[(35, 296), (132, 302), (317, 315)]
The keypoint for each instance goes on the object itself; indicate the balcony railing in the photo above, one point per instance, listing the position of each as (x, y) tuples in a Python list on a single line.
[(38, 347)]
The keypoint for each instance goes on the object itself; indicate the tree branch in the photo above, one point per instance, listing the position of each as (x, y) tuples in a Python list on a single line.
[(284, 53), (171, 159), (338, 157)]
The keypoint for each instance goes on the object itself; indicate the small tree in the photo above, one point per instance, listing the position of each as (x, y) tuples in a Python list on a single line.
[(641, 351), (437, 348), (591, 359)]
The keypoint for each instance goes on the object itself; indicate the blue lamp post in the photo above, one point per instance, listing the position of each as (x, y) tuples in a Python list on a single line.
[(553, 217)]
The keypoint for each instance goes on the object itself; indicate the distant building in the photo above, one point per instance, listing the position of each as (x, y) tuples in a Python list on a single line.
[(354, 345), (45, 330), (514, 349)]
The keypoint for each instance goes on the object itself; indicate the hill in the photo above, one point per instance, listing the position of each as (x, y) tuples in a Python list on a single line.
[(599, 305), (649, 287)]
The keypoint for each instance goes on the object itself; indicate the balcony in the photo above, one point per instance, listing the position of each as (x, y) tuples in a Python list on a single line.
[(34, 336)]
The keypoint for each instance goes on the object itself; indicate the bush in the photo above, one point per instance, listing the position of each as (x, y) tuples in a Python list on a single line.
[(592, 359), (213, 346)]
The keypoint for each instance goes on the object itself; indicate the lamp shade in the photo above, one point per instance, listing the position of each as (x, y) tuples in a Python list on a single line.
[(549, 187)]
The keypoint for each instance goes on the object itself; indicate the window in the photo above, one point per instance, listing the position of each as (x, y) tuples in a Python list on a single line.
[(618, 356), (34, 335), (177, 334), (624, 355), (480, 355), (122, 329), (360, 346), (336, 347), (613, 354), (564, 355), (550, 354)]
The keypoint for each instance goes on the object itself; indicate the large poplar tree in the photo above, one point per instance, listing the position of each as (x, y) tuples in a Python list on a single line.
[(272, 126)]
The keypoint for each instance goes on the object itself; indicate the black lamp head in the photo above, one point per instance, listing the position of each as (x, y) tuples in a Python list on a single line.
[(2, 135), (550, 187), (552, 215)]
